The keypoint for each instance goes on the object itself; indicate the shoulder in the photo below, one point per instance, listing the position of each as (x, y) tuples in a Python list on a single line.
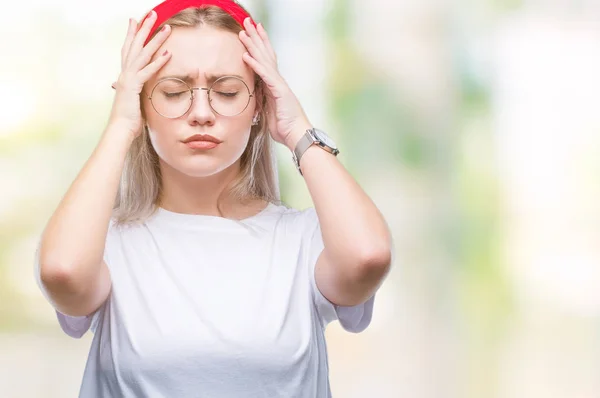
[(303, 222), (123, 234), (298, 216)]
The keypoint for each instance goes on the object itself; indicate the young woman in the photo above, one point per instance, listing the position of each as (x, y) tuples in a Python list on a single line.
[(197, 281)]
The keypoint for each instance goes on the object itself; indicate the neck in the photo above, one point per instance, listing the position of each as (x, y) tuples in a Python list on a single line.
[(182, 193)]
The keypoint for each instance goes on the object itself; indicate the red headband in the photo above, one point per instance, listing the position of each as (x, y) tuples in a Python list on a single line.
[(168, 8)]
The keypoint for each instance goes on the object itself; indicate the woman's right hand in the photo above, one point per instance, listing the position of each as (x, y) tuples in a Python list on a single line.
[(136, 70)]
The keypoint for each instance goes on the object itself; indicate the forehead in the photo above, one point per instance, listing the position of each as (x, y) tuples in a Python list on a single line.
[(203, 50)]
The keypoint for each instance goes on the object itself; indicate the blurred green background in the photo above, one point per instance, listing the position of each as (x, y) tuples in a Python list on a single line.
[(472, 125)]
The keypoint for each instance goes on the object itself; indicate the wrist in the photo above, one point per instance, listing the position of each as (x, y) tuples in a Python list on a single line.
[(296, 134), (120, 132)]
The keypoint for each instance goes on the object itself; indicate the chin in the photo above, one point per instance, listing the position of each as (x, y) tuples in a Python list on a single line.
[(203, 166)]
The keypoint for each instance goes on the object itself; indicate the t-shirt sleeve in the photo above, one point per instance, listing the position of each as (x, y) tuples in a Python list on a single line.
[(73, 326), (77, 326), (353, 319)]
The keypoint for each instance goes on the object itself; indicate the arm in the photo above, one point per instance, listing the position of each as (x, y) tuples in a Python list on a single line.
[(357, 253), (357, 241), (72, 271)]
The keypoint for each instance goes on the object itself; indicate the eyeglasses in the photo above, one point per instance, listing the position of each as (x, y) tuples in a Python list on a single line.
[(172, 97)]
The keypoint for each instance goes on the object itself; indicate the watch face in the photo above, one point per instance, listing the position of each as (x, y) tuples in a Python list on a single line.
[(325, 138)]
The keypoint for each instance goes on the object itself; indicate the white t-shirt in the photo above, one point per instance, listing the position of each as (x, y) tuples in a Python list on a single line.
[(204, 306)]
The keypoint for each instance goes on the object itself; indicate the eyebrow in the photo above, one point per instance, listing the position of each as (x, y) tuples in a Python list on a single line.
[(210, 77)]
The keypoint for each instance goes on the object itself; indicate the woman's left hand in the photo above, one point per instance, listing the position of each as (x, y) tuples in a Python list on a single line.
[(286, 119)]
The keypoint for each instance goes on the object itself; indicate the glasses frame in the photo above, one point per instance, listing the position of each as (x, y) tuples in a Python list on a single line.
[(193, 97)]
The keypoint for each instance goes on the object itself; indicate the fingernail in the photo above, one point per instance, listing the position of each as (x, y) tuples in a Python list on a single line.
[(165, 53), (164, 28)]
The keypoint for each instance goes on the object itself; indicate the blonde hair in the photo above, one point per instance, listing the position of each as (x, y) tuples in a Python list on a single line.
[(140, 188)]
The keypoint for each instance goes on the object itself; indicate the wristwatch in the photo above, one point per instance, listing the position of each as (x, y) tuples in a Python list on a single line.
[(311, 137)]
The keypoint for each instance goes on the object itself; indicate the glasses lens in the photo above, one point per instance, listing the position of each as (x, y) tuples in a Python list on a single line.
[(171, 98), (229, 96)]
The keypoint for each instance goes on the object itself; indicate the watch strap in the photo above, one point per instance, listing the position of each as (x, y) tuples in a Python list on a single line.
[(307, 140)]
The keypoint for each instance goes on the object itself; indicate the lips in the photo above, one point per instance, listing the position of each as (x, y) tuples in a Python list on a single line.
[(202, 137)]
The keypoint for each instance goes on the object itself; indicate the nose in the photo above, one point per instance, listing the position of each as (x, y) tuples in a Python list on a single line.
[(201, 112)]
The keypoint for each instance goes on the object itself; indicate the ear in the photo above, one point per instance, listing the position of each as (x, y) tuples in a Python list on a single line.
[(256, 119)]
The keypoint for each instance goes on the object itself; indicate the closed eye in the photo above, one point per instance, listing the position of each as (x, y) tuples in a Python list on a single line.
[(173, 95), (230, 95)]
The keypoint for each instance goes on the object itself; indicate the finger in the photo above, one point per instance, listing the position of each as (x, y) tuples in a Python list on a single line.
[(253, 49), (131, 29), (249, 26), (253, 34), (140, 37), (154, 66), (260, 69), (153, 45), (256, 39), (265, 38)]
